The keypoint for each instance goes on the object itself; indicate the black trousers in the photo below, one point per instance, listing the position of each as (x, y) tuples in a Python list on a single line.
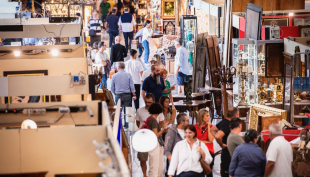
[(225, 158), (137, 88), (211, 165)]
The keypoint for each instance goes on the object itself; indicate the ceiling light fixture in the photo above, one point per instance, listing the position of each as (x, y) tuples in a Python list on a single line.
[(291, 14), (17, 53), (55, 53)]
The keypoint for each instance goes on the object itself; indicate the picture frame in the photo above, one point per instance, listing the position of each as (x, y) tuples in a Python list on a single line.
[(168, 9), (283, 21), (169, 27), (274, 64), (287, 83), (253, 18), (301, 21), (304, 31)]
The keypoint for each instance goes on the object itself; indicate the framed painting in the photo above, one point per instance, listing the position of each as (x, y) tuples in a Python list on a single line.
[(304, 31), (274, 60), (277, 21), (168, 9), (169, 27), (253, 21), (301, 21)]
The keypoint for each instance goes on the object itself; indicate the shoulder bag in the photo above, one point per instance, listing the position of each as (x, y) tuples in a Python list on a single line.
[(206, 168)]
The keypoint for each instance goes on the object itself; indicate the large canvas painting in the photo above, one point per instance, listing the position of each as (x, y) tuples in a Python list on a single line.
[(253, 21)]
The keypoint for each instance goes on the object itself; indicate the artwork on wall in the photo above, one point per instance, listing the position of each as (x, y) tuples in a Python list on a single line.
[(29, 99), (274, 60), (277, 21), (169, 27), (168, 9), (301, 21), (304, 31), (253, 21)]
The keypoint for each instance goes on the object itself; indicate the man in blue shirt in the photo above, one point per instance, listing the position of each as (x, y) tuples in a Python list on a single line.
[(155, 84), (112, 29), (123, 88)]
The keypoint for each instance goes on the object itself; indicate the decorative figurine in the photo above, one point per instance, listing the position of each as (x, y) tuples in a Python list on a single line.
[(262, 92), (298, 96), (188, 91)]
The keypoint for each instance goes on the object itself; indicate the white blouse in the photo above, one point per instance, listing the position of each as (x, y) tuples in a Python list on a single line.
[(186, 159)]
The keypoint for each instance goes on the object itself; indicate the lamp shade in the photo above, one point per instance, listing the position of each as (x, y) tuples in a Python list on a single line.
[(29, 124), (144, 140)]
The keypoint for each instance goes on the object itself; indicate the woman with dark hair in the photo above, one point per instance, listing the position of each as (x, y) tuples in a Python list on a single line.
[(248, 159), (168, 112), (186, 155), (119, 6), (156, 156), (204, 135)]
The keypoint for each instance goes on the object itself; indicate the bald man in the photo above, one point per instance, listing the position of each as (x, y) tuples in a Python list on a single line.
[(118, 53)]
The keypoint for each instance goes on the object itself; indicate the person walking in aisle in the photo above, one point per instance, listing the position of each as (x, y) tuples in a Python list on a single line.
[(204, 135), (123, 88), (95, 26), (186, 155), (127, 26), (156, 155), (248, 158), (155, 84), (139, 35), (111, 26), (141, 116), (175, 134), (135, 69), (147, 33), (279, 154), (181, 65), (104, 9), (148, 72), (118, 53), (234, 139), (101, 58), (221, 132)]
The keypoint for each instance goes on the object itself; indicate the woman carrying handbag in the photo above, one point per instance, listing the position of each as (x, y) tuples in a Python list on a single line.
[(189, 157)]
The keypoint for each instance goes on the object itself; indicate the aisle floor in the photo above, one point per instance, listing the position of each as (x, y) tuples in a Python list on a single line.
[(136, 169)]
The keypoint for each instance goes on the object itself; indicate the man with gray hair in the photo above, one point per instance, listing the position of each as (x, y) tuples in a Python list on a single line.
[(123, 88), (181, 65), (279, 154), (127, 26), (175, 134)]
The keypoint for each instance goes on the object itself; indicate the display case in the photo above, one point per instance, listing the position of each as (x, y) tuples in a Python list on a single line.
[(57, 9), (74, 9), (87, 9), (188, 29), (264, 84)]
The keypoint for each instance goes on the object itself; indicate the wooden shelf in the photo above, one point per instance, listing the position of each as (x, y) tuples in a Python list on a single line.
[(302, 102), (300, 117)]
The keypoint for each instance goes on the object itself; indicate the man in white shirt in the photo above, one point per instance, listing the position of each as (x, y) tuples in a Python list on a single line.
[(147, 33), (181, 65), (148, 72), (141, 116), (127, 26), (279, 154), (135, 68), (101, 58)]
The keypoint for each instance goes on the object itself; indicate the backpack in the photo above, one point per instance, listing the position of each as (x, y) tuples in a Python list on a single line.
[(146, 123)]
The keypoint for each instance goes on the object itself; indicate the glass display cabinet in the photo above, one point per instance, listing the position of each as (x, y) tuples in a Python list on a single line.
[(74, 9), (259, 79), (57, 9), (188, 29)]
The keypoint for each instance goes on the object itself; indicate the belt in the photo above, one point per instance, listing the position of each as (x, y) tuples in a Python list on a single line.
[(122, 93)]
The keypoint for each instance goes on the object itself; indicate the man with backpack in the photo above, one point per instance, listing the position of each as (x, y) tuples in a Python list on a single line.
[(142, 115)]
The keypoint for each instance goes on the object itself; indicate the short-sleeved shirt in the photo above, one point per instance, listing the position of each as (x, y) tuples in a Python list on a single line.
[(280, 152), (167, 87), (99, 57), (112, 21), (224, 126), (134, 67), (149, 85), (233, 141), (204, 137), (142, 114), (154, 124), (105, 8)]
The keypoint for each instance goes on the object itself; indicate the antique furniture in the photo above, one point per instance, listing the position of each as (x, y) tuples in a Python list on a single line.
[(195, 96)]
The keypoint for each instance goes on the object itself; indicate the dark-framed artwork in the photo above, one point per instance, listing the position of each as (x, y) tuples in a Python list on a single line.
[(304, 31), (274, 60), (169, 27), (29, 99), (253, 18), (288, 80), (301, 21), (283, 21)]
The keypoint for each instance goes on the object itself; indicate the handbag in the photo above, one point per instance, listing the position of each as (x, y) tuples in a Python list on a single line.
[(205, 167), (92, 33)]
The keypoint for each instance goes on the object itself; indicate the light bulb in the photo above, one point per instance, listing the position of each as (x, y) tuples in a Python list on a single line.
[(291, 14), (55, 53), (17, 53)]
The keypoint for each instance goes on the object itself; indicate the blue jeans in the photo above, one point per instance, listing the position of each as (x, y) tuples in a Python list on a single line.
[(104, 81), (140, 50), (126, 36), (112, 35), (145, 45)]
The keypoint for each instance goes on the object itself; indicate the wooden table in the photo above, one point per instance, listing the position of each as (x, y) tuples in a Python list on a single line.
[(195, 106), (195, 96)]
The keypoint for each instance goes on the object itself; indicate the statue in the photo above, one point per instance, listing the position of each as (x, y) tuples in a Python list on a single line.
[(188, 91)]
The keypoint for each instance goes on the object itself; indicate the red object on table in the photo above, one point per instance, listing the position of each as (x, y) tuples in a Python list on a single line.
[(289, 135)]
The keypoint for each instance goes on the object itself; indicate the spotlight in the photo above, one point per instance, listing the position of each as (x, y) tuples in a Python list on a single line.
[(17, 53), (291, 14), (29, 124), (55, 53)]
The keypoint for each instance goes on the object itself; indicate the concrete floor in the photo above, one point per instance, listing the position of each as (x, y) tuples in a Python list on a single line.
[(136, 169)]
